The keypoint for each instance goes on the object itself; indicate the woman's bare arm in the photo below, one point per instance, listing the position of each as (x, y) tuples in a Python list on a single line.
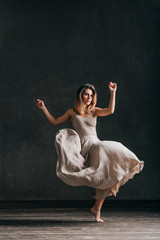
[(111, 107), (54, 121)]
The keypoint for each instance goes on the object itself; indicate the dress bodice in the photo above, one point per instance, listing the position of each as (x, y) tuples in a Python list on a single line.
[(85, 126)]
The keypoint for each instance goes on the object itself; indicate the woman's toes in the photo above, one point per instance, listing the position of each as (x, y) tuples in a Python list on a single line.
[(99, 220), (113, 193)]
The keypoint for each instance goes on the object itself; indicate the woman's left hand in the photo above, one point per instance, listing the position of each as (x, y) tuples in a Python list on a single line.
[(112, 87)]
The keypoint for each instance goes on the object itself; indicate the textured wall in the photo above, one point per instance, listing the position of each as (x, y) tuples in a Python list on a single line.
[(48, 49)]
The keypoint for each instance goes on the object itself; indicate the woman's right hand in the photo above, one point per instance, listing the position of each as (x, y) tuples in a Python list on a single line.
[(40, 104)]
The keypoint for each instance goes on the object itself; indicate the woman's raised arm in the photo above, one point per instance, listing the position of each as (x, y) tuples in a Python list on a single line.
[(111, 107), (54, 121)]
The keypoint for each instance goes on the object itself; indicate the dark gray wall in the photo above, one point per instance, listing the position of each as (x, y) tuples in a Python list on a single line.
[(48, 49)]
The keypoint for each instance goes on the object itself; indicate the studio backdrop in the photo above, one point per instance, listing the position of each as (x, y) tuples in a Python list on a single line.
[(47, 50)]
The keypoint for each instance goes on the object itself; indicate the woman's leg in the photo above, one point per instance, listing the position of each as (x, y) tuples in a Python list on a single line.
[(96, 209)]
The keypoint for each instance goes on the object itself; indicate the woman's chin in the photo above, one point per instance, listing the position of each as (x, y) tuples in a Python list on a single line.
[(87, 104)]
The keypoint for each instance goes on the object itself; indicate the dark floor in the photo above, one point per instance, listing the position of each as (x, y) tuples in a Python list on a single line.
[(78, 223)]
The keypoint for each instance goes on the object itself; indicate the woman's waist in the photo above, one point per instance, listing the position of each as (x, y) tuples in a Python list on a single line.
[(88, 136), (87, 141)]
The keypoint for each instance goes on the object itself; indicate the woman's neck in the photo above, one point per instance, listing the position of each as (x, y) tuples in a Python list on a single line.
[(86, 112)]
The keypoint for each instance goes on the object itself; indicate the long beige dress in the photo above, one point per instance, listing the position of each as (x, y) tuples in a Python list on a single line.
[(84, 160)]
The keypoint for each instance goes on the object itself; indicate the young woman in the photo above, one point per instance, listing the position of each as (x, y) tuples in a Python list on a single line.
[(84, 160)]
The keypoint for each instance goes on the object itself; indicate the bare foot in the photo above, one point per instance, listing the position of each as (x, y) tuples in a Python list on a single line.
[(113, 192), (97, 214), (115, 189)]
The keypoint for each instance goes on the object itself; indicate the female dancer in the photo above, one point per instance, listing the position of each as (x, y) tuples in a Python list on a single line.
[(84, 160)]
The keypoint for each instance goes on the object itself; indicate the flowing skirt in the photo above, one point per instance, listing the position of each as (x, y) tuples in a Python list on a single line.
[(103, 165)]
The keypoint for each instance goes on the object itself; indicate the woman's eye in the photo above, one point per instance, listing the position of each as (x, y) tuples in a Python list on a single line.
[(86, 94)]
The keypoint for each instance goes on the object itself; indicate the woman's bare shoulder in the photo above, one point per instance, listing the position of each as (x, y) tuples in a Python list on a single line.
[(94, 111), (97, 108)]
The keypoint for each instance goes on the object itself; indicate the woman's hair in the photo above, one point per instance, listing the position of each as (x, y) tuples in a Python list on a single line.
[(78, 103)]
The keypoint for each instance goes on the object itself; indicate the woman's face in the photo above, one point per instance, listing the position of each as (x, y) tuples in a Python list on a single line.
[(87, 97)]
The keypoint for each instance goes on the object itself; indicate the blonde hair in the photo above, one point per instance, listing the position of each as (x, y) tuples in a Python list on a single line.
[(78, 103)]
